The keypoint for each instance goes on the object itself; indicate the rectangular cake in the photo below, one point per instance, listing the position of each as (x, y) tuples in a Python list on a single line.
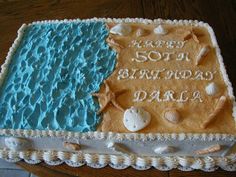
[(123, 92)]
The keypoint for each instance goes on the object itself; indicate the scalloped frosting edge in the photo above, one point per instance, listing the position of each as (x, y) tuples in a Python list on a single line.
[(131, 136), (120, 161)]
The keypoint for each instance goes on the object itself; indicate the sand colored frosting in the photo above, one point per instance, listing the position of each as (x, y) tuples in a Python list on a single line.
[(193, 113)]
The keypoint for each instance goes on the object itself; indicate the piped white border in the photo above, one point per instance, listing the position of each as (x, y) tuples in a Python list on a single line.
[(121, 161), (119, 136), (129, 136)]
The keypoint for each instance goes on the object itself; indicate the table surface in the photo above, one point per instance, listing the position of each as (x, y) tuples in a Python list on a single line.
[(220, 14)]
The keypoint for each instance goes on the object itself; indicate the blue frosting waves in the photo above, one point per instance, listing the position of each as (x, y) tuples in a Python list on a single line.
[(52, 75)]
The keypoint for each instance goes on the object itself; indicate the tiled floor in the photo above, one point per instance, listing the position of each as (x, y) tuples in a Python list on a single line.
[(11, 170)]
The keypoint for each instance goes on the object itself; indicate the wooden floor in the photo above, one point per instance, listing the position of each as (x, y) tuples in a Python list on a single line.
[(11, 170), (220, 14)]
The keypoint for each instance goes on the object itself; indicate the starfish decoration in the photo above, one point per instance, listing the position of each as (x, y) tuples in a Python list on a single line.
[(192, 35), (110, 98)]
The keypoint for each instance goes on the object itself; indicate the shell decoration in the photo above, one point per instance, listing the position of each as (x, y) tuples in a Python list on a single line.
[(121, 29), (164, 149), (218, 108), (171, 115), (117, 148), (160, 30), (136, 119), (141, 32), (71, 146), (16, 144), (212, 89), (211, 149), (202, 54)]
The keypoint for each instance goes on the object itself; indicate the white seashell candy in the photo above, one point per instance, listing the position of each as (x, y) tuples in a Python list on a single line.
[(136, 119), (121, 29), (71, 146), (202, 54), (117, 148), (172, 115), (212, 88), (141, 32), (17, 144), (164, 150), (160, 30)]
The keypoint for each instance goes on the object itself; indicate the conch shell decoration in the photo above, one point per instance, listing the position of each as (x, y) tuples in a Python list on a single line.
[(211, 149), (219, 106), (205, 49)]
